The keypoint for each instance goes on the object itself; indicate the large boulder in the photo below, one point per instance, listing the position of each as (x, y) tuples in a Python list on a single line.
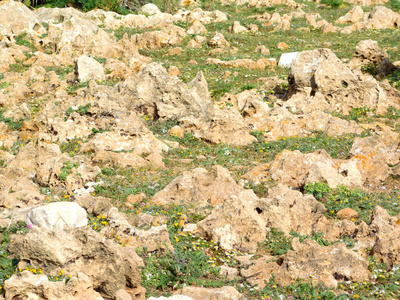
[(153, 92), (236, 224), (320, 71), (109, 266), (16, 18), (26, 285), (199, 187)]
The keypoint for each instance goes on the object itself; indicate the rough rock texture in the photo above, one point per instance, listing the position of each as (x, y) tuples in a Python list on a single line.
[(199, 187), (199, 293), (87, 68), (320, 71), (153, 92), (108, 266), (57, 216), (26, 284), (235, 224), (287, 210), (226, 126), (298, 169)]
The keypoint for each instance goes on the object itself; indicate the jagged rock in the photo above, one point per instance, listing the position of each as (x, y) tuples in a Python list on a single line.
[(262, 49), (237, 28), (109, 266), (297, 170), (353, 16), (26, 284), (57, 216), (381, 18), (264, 267), (235, 224), (175, 297), (87, 68), (16, 19), (155, 93), (218, 41), (367, 52), (199, 187), (287, 210), (154, 40), (385, 231), (324, 73), (226, 126), (197, 28), (328, 265), (201, 293)]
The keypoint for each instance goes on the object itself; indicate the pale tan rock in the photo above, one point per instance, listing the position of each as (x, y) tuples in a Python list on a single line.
[(177, 131), (284, 24), (87, 68), (200, 187), (133, 199), (347, 213), (194, 45), (228, 272), (260, 64), (205, 17), (341, 88), (262, 268), (237, 28), (353, 16), (282, 46), (218, 41), (328, 265), (156, 238), (174, 71), (40, 287), (262, 49), (126, 160), (225, 126), (381, 18), (201, 293), (235, 224), (367, 52), (78, 251), (196, 28), (287, 210)]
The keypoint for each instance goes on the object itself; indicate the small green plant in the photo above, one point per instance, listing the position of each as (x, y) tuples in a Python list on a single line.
[(332, 3), (82, 110), (66, 170)]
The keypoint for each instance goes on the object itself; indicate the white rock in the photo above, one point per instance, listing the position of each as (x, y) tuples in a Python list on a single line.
[(150, 9), (57, 216), (287, 59), (87, 68)]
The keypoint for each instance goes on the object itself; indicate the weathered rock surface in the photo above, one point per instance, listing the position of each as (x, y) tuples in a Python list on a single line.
[(320, 71), (199, 187), (199, 293), (26, 284), (57, 216), (109, 266), (87, 68)]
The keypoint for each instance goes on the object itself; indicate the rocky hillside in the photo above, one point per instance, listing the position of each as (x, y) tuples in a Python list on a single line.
[(230, 150)]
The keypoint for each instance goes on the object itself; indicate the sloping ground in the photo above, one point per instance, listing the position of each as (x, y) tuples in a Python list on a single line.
[(155, 154)]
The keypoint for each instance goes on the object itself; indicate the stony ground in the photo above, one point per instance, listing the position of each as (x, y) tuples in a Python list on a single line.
[(181, 155)]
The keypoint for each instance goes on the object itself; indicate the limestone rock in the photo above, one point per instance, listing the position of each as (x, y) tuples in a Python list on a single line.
[(197, 28), (109, 266), (199, 187), (200, 293), (237, 28), (87, 68), (150, 9), (26, 284), (235, 224), (58, 216), (324, 73), (353, 16), (347, 213), (226, 126), (218, 41), (153, 92), (287, 210), (328, 265)]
